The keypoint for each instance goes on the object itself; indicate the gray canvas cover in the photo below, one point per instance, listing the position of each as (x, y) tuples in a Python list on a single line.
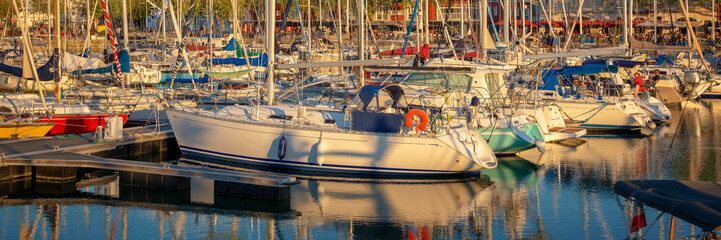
[(696, 202)]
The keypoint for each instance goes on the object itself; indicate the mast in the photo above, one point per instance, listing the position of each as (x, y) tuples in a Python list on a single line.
[(506, 18), (625, 23), (179, 38), (26, 50), (418, 35), (580, 19), (463, 33), (655, 21), (361, 42), (50, 23), (270, 45), (630, 20), (210, 34), (126, 41), (425, 23), (692, 35), (523, 17), (484, 25), (713, 20), (58, 45), (340, 33)]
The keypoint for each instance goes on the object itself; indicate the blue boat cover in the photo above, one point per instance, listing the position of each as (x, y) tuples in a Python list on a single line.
[(620, 63), (366, 121), (258, 61), (203, 79), (588, 69), (85, 53), (696, 202), (550, 80), (124, 59), (594, 61), (626, 63), (664, 59), (46, 72), (231, 45)]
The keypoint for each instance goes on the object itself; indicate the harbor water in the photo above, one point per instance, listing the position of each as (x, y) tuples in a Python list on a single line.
[(565, 193)]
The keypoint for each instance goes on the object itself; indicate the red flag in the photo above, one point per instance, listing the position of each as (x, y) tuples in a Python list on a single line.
[(638, 219)]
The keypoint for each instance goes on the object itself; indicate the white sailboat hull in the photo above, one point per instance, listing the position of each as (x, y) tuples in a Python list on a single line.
[(310, 149), (604, 116)]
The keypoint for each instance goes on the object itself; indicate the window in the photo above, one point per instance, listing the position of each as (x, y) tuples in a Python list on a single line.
[(495, 11), (495, 85), (425, 79), (459, 82)]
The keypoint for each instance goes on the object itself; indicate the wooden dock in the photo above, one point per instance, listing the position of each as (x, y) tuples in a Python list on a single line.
[(58, 157)]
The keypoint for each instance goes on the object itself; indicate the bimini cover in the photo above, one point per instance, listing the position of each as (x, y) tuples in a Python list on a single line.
[(46, 72), (123, 57), (258, 61), (696, 202), (368, 92)]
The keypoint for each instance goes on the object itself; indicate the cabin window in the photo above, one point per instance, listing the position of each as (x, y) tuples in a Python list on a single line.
[(493, 81), (459, 82), (425, 79)]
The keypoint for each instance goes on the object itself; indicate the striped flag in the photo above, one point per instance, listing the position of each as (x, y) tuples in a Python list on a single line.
[(638, 219)]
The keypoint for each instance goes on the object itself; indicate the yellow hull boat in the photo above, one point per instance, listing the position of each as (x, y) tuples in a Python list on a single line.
[(22, 129)]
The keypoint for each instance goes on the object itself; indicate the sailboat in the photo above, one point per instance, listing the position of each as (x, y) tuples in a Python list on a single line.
[(321, 138), (378, 135)]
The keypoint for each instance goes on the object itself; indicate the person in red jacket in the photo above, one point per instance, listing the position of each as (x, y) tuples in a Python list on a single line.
[(639, 84)]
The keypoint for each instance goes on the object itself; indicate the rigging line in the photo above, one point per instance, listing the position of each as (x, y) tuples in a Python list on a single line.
[(305, 37), (410, 25), (673, 138)]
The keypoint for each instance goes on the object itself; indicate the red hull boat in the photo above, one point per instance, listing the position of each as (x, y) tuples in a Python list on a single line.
[(78, 123)]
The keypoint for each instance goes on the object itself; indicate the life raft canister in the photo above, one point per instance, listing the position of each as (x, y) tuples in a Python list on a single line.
[(420, 113)]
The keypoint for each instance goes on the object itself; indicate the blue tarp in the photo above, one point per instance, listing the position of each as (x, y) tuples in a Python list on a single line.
[(203, 79), (47, 72), (594, 61), (124, 59), (550, 79), (627, 63), (231, 45), (85, 53), (588, 69), (663, 59), (620, 63), (258, 61)]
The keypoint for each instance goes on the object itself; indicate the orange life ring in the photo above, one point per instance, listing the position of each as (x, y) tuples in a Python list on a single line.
[(225, 36), (420, 113)]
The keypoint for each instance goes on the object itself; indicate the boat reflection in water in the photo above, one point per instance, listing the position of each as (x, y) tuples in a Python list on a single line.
[(387, 200), (381, 208)]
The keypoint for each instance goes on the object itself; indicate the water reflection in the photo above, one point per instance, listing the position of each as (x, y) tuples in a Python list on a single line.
[(562, 194)]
